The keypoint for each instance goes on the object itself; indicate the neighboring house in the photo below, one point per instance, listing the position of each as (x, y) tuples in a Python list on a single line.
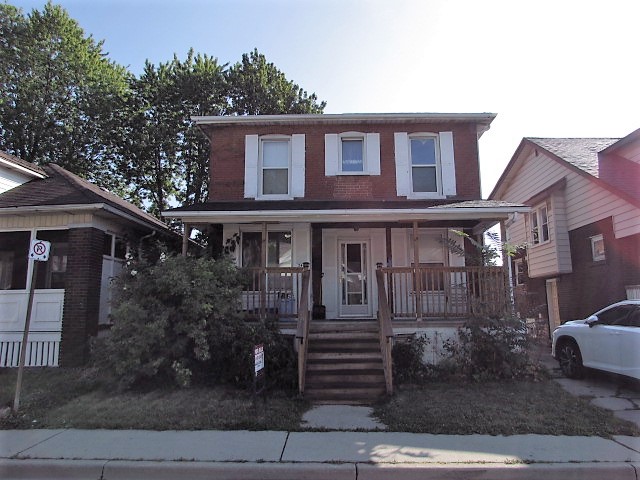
[(583, 233), (89, 230), (351, 195), (14, 171)]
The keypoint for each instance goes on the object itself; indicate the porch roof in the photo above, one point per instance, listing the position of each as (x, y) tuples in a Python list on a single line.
[(317, 211)]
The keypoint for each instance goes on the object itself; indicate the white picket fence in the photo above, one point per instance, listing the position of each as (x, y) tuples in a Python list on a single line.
[(43, 345)]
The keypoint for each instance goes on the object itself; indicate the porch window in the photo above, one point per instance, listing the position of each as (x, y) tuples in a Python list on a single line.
[(14, 250), (52, 273), (278, 249)]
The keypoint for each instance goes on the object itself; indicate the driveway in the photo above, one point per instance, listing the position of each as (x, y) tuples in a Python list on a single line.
[(619, 394)]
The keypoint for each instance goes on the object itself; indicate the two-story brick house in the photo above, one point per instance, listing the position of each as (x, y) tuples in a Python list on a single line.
[(348, 193)]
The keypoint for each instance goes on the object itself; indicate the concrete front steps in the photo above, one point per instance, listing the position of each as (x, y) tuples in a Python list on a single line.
[(344, 363)]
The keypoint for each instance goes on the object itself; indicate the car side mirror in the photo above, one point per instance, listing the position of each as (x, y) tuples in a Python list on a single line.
[(592, 321)]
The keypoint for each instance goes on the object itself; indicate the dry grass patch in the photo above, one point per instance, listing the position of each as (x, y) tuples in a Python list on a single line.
[(498, 408)]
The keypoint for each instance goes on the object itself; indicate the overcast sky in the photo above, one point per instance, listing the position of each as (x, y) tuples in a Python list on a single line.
[(560, 68)]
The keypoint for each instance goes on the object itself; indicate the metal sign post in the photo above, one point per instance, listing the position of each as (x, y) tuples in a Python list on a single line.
[(39, 252)]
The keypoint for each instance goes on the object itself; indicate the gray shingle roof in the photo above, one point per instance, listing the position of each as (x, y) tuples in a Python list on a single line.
[(22, 163), (61, 187), (580, 152)]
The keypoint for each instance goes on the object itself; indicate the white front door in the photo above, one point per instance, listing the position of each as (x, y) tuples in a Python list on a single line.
[(353, 278)]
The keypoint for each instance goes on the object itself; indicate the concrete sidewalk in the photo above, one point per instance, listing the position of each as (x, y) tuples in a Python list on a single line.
[(135, 454)]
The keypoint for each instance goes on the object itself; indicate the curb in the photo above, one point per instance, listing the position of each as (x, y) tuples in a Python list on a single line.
[(11, 469)]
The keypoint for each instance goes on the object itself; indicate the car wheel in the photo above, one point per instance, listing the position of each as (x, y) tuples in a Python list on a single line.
[(570, 359)]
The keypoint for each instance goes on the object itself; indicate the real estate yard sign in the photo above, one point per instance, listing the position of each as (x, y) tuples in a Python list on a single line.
[(39, 252), (258, 369)]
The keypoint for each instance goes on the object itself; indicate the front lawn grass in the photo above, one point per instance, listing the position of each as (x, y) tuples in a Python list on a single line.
[(77, 398), (497, 408)]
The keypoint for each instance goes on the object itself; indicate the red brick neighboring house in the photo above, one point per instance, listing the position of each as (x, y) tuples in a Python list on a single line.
[(583, 233), (89, 229), (352, 196)]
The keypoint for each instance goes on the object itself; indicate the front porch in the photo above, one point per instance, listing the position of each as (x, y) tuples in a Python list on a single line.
[(408, 299), (400, 265), (421, 294)]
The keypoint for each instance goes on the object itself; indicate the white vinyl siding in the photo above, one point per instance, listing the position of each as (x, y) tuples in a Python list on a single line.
[(586, 202), (18, 222), (581, 203), (10, 179), (333, 153)]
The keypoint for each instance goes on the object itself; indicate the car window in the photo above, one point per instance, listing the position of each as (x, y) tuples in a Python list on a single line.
[(615, 316), (633, 319)]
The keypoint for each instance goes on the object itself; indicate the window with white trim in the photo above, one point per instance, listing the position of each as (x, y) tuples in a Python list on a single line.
[(275, 163), (425, 163), (352, 153), (540, 224), (279, 249), (597, 248)]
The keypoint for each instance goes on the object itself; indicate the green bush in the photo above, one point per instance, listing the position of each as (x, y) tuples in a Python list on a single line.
[(408, 364), (176, 322), (490, 349)]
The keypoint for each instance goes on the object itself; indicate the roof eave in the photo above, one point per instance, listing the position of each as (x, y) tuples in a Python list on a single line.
[(76, 208), (348, 215), (19, 168), (482, 119)]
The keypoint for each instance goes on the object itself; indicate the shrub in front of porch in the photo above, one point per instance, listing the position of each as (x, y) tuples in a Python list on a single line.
[(176, 322), (490, 349)]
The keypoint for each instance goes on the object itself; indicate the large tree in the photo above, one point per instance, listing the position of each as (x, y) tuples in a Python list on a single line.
[(58, 92), (166, 155), (257, 87), (163, 156), (62, 100)]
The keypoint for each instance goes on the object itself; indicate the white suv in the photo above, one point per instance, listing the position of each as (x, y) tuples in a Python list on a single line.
[(608, 340)]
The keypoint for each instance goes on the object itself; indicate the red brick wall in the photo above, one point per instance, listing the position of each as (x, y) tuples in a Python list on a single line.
[(82, 295), (227, 161), (593, 285)]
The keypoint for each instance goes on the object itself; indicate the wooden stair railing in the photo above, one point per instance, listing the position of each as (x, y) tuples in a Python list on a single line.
[(302, 332), (386, 330)]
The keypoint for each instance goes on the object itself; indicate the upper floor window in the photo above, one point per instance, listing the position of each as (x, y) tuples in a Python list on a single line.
[(274, 166), (425, 164), (597, 248), (540, 224), (352, 153)]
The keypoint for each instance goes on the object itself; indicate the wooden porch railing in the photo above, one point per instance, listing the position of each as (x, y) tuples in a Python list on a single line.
[(273, 291), (302, 332), (386, 331), (423, 292)]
